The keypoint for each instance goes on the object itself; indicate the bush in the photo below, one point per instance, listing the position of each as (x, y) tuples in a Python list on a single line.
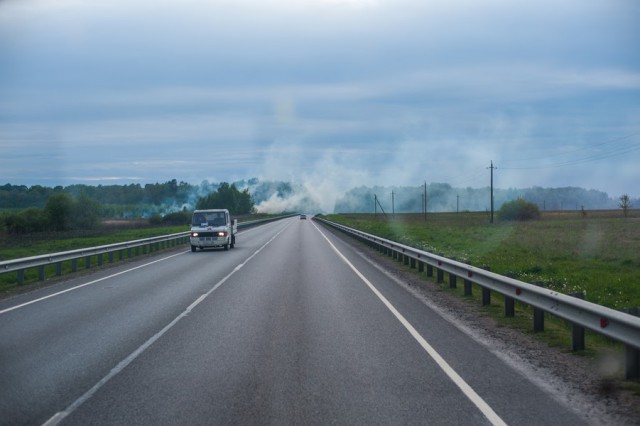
[(155, 219), (177, 218), (519, 210), (26, 221)]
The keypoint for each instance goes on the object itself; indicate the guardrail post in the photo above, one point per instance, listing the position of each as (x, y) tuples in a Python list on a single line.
[(59, 268), (41, 272), (509, 303), (110, 257), (420, 266), (413, 263), (137, 251), (74, 265), (406, 259), (440, 276), (538, 314), (20, 276), (486, 293), (453, 280), (632, 354), (100, 259), (577, 332), (468, 286)]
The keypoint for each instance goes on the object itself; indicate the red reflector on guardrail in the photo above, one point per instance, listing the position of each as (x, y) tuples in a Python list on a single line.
[(604, 322)]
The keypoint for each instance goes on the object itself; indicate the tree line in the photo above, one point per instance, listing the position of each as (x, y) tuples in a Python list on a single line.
[(82, 206), (21, 196)]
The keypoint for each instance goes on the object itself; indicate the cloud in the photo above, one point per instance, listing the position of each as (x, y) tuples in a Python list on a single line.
[(330, 93)]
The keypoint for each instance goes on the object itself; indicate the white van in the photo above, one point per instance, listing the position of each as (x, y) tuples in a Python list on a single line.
[(213, 228)]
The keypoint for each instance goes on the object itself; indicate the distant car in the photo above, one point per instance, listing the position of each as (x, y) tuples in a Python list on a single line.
[(303, 216)]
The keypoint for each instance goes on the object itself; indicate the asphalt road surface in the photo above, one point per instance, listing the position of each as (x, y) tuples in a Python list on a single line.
[(293, 326)]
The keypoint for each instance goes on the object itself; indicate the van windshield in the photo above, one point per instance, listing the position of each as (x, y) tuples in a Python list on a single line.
[(209, 219)]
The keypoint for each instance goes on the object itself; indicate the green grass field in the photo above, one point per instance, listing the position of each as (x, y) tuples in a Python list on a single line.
[(598, 253)]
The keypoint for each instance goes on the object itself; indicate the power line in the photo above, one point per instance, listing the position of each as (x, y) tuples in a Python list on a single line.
[(618, 151)]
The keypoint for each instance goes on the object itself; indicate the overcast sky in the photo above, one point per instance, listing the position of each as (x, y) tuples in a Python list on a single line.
[(327, 93)]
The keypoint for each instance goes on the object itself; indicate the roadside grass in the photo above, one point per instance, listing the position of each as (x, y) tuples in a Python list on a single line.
[(598, 254)]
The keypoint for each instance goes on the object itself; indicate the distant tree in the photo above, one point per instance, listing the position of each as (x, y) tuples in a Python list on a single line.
[(519, 210), (228, 197), (58, 211), (84, 213), (625, 204)]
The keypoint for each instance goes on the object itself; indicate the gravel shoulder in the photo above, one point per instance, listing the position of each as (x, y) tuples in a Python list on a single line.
[(576, 380)]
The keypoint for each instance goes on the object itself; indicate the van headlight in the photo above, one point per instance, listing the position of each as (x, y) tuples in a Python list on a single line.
[(194, 234), (221, 234)]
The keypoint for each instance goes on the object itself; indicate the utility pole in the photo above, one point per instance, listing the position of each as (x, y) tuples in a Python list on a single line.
[(457, 203), (425, 200), (492, 167), (393, 205), (379, 205), (375, 205)]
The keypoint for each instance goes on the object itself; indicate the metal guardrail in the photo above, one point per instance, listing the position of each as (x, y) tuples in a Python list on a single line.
[(146, 244), (42, 261), (616, 325)]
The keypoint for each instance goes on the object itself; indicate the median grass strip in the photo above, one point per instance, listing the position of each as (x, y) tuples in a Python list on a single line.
[(15, 247)]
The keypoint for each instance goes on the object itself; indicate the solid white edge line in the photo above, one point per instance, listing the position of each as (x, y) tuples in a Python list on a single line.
[(59, 416), (476, 399)]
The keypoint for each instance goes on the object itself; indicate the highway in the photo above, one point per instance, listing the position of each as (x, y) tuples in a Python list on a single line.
[(293, 326)]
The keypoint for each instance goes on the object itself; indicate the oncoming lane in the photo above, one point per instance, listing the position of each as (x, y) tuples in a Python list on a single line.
[(58, 342)]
